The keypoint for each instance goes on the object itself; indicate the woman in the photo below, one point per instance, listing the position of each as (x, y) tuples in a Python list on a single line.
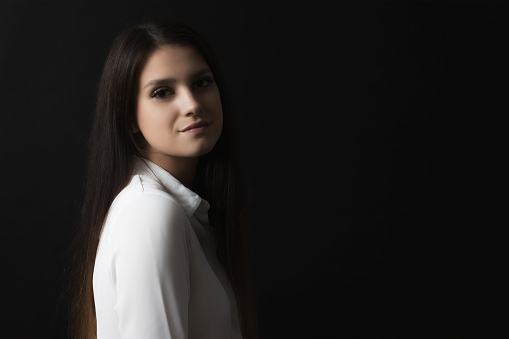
[(162, 249)]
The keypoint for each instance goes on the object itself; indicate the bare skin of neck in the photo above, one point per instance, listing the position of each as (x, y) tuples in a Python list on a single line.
[(183, 169)]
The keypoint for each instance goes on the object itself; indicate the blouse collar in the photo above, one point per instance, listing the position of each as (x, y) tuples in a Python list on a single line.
[(188, 199)]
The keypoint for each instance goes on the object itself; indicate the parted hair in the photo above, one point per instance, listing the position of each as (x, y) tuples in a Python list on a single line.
[(219, 176)]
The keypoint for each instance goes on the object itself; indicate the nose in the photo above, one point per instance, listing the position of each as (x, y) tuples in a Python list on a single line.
[(189, 103)]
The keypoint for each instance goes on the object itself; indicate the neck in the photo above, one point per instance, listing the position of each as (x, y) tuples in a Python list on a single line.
[(183, 169)]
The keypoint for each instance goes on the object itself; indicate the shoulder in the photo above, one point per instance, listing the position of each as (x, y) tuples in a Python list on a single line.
[(144, 195), (144, 207)]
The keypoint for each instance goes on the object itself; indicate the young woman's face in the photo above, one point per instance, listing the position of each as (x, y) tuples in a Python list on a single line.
[(179, 106)]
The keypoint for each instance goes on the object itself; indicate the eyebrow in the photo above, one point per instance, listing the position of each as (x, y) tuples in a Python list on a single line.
[(158, 82)]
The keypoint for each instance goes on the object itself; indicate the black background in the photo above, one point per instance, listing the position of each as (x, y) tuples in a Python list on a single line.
[(373, 136)]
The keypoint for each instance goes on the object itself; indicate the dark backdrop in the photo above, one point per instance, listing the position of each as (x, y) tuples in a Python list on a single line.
[(372, 136)]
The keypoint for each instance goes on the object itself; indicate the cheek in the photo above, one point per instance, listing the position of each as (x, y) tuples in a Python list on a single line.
[(145, 122), (152, 121)]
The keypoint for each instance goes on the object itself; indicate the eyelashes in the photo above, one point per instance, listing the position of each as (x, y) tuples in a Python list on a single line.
[(204, 82), (161, 93), (164, 92)]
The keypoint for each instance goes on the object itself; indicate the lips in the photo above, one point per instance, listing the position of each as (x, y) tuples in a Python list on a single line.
[(195, 125)]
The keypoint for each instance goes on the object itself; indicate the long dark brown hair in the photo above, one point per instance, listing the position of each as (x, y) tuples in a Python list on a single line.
[(219, 177)]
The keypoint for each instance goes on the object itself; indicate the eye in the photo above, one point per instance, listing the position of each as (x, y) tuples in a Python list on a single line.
[(204, 82), (161, 93)]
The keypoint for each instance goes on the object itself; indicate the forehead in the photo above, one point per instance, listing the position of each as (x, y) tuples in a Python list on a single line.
[(173, 61)]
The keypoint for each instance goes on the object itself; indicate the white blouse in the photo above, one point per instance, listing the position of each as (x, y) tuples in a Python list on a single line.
[(156, 272)]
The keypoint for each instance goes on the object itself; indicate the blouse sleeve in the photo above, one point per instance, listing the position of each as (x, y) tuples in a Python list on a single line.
[(150, 269)]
